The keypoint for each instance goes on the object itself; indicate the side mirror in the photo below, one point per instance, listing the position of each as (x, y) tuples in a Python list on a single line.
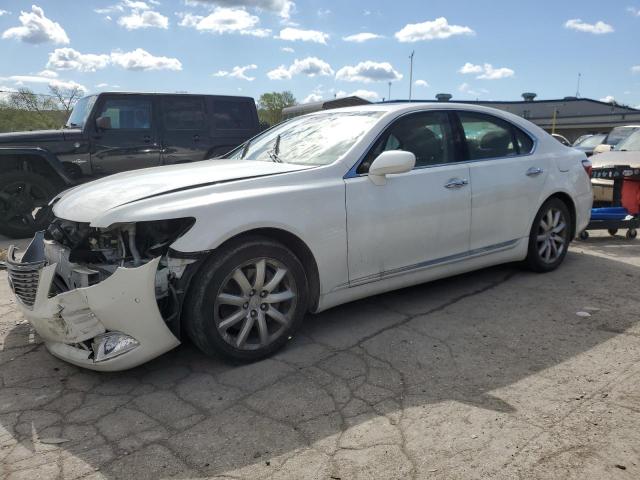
[(390, 162), (103, 123)]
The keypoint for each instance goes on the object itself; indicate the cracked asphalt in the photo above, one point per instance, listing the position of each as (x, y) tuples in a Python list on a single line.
[(486, 375)]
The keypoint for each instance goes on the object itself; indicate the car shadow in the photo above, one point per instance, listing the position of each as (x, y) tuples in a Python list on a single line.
[(476, 339)]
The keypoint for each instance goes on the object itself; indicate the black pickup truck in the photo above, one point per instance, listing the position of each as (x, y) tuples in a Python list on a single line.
[(113, 132)]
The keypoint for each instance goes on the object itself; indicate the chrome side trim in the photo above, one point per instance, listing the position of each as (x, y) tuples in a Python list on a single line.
[(478, 252)]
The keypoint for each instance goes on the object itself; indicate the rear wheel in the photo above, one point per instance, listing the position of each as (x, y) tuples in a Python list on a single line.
[(24, 198), (247, 301), (612, 231), (549, 237)]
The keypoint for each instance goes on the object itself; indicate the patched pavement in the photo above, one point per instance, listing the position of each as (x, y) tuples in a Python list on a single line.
[(486, 375)]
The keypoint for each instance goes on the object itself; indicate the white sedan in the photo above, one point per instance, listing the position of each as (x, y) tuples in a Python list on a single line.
[(315, 212)]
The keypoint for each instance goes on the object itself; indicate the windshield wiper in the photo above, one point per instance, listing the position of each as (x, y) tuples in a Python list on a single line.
[(273, 154), (245, 149)]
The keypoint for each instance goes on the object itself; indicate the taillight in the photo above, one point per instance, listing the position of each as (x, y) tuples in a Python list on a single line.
[(586, 164)]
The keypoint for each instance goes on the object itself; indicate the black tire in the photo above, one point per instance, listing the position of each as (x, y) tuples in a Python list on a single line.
[(202, 314), (536, 260), (612, 231), (584, 235), (24, 198), (631, 234)]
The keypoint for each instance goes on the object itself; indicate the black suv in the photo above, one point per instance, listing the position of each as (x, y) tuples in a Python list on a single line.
[(109, 133)]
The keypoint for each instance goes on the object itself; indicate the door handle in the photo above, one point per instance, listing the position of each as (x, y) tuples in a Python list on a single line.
[(534, 172), (456, 183), (146, 138), (196, 138)]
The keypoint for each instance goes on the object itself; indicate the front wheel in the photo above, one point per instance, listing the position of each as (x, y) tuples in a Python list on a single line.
[(24, 199), (247, 301), (549, 237)]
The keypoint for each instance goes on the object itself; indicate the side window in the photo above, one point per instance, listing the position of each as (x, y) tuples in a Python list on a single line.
[(525, 144), (183, 113), (127, 113), (230, 115), (487, 136), (427, 135)]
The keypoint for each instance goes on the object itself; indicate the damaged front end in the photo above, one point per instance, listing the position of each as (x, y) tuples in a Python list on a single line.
[(105, 299)]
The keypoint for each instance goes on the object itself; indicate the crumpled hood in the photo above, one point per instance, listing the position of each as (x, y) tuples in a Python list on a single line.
[(36, 136), (616, 157), (90, 200)]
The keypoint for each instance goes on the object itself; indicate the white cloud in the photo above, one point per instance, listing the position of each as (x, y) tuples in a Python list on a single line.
[(635, 69), (361, 37), (140, 59), (470, 68), (36, 28), (294, 34), (135, 5), (487, 71), (145, 19), (476, 92), (237, 72), (597, 28), (431, 30), (225, 20), (4, 12), (368, 71), (284, 8), (102, 85), (69, 59), (310, 66), (634, 11), (366, 94), (312, 97), (20, 80), (48, 74), (608, 99), (287, 49), (421, 83)]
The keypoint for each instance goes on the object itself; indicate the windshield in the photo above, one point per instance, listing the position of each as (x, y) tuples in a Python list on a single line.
[(631, 143), (591, 141), (310, 140), (80, 112), (618, 134)]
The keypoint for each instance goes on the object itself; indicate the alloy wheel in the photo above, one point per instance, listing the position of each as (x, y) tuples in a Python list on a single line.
[(551, 239), (255, 304)]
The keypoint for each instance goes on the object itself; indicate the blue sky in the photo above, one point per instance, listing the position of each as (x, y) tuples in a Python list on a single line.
[(488, 49)]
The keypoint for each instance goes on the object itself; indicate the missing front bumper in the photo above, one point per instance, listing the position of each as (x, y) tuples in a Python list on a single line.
[(124, 303)]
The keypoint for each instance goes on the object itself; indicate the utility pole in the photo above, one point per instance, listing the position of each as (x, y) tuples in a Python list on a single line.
[(578, 89), (411, 72), (389, 97)]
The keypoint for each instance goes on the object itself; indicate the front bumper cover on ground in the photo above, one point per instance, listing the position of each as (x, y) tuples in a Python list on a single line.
[(125, 302)]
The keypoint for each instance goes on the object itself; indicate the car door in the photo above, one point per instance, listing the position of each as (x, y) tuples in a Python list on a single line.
[(185, 129), (234, 122), (417, 219), (128, 139), (507, 179)]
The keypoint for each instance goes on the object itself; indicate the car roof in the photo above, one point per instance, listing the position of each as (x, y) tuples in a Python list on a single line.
[(168, 94), (413, 106)]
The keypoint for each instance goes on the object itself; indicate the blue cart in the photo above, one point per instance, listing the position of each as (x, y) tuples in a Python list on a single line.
[(612, 219)]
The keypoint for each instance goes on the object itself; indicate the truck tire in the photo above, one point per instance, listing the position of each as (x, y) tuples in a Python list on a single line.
[(24, 198)]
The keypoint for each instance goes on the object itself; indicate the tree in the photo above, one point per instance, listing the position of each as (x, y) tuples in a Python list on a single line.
[(66, 97), (270, 106), (25, 110)]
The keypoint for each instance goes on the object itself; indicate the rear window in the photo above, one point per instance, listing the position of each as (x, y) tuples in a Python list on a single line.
[(183, 113), (229, 115)]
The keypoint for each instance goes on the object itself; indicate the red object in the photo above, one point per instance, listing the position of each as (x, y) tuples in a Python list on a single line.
[(631, 196), (586, 164)]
